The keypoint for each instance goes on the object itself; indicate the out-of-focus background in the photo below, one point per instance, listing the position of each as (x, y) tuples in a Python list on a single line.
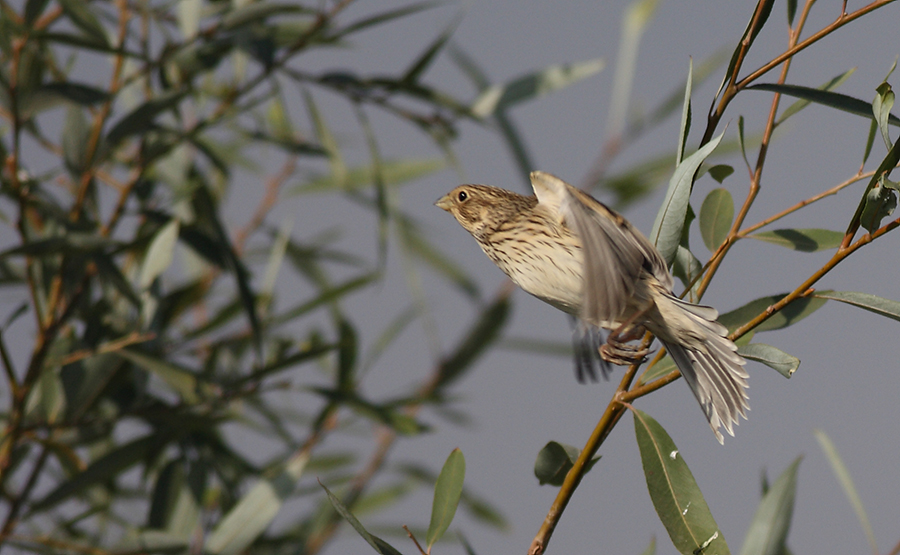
[(515, 401)]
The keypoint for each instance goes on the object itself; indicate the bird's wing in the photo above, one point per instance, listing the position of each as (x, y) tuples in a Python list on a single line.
[(615, 253)]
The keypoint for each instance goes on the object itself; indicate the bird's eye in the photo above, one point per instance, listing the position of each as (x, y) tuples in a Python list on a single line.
[(462, 196)]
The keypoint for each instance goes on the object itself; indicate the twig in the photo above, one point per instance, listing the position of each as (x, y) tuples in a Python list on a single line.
[(415, 541)]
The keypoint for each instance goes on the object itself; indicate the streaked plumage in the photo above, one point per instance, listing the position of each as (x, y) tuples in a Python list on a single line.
[(571, 251)]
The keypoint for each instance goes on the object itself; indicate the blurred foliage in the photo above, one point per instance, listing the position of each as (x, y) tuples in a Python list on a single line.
[(162, 346)]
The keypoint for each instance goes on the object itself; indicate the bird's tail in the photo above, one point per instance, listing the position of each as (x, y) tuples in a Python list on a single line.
[(709, 362)]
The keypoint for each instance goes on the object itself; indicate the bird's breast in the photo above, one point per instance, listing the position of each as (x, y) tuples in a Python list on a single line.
[(550, 268)]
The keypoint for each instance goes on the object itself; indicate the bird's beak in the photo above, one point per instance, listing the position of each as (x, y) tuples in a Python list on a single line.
[(445, 202)]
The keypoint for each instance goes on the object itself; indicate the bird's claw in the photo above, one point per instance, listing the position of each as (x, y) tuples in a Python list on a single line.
[(618, 351)]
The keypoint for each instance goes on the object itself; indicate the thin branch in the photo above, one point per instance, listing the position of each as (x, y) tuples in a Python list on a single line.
[(803, 203)]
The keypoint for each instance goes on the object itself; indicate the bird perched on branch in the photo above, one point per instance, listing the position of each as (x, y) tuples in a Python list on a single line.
[(571, 251)]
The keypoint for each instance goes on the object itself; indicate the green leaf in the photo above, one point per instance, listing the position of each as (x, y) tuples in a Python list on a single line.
[(674, 492), (879, 179), (251, 13), (636, 17), (152, 541), (720, 172), (206, 205), (741, 141), (772, 357), (686, 266), (879, 204), (791, 11), (423, 62), (159, 254), (716, 215), (347, 349), (81, 16), (658, 370), (834, 83), (749, 35), (33, 10), (843, 476), (685, 116), (554, 461), (788, 316), (480, 336), (51, 95), (866, 301), (667, 228), (768, 530), (825, 98), (804, 240), (141, 118), (533, 85), (253, 513), (384, 17), (182, 381), (447, 491), (105, 468), (168, 487), (75, 135), (380, 546), (111, 274), (881, 109)]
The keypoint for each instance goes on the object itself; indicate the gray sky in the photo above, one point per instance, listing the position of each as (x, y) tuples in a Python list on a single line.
[(846, 384)]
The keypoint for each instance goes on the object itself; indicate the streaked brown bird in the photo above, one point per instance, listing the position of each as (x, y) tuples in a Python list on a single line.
[(571, 251)]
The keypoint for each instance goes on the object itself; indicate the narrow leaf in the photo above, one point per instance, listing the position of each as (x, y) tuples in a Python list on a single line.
[(103, 469), (833, 83), (347, 349), (182, 381), (141, 118), (159, 254), (423, 62), (674, 492), (533, 85), (380, 546), (81, 16), (768, 530), (880, 202), (804, 240), (716, 215), (772, 357), (881, 109), (685, 115), (788, 316), (831, 99), (384, 17), (866, 301), (482, 334), (447, 491), (635, 19), (843, 476), (667, 229), (253, 513)]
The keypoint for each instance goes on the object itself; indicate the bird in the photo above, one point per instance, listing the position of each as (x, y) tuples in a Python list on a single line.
[(573, 252)]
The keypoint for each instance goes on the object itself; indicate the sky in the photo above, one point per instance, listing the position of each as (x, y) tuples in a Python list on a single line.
[(846, 384)]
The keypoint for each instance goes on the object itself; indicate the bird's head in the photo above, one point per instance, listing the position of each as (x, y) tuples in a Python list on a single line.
[(480, 209)]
